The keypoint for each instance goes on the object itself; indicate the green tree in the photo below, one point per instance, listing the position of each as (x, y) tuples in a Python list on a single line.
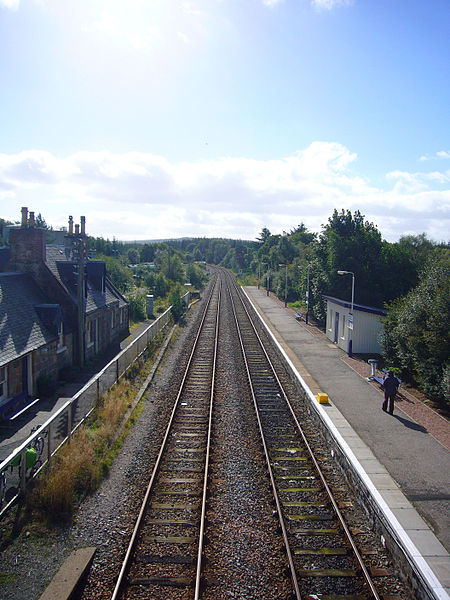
[(137, 306), (416, 334), (264, 235), (161, 286), (147, 253), (133, 256), (120, 275), (349, 243), (176, 303)]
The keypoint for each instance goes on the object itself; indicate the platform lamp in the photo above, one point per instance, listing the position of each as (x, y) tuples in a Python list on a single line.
[(260, 264), (350, 319), (307, 291), (285, 285)]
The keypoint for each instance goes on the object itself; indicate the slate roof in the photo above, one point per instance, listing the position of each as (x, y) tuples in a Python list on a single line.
[(21, 329), (360, 307), (59, 261)]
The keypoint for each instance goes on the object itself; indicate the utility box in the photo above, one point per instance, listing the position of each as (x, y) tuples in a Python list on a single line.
[(322, 398), (149, 300)]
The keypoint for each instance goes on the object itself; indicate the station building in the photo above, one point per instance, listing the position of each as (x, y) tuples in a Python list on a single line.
[(364, 328)]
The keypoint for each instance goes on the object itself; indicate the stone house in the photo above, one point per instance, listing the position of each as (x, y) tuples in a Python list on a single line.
[(51, 316)]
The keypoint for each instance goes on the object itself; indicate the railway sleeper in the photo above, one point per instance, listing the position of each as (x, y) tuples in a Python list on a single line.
[(166, 560), (167, 580)]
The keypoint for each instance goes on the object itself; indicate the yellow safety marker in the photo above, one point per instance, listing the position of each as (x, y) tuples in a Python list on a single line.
[(322, 398)]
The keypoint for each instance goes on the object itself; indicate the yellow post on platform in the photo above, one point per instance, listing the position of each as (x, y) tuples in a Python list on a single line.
[(322, 398)]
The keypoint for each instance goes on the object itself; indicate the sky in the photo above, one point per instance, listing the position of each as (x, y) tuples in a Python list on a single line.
[(215, 118)]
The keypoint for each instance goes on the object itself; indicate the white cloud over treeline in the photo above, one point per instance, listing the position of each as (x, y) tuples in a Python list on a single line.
[(138, 195)]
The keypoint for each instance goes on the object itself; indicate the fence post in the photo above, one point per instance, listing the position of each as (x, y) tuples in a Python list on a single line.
[(23, 469), (49, 439), (98, 388), (69, 421), (117, 370)]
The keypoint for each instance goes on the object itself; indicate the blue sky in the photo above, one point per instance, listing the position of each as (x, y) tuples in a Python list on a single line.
[(177, 118)]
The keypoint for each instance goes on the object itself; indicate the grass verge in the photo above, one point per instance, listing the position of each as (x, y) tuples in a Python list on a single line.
[(79, 467)]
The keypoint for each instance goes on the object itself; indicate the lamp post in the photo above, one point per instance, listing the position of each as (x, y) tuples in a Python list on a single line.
[(307, 291), (350, 320), (268, 280), (285, 285), (260, 264)]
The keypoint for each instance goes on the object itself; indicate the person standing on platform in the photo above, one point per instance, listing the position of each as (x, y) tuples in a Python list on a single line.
[(390, 387)]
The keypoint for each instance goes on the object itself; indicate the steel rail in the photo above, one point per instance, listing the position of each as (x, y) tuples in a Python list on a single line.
[(266, 453), (139, 521), (208, 448), (338, 512)]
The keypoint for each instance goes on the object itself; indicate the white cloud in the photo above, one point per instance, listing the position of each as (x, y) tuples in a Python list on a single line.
[(330, 4), (445, 154), (143, 196), (11, 4), (271, 3)]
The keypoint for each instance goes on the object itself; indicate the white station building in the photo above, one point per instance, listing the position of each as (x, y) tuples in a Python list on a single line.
[(364, 330)]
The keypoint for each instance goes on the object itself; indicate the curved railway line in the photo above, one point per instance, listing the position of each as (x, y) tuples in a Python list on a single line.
[(166, 557)]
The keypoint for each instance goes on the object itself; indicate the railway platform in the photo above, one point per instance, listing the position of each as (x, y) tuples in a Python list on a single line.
[(404, 458)]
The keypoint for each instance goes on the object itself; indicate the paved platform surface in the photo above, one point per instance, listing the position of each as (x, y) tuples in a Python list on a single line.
[(406, 456)]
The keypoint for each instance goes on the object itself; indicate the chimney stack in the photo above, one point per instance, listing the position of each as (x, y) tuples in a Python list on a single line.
[(70, 225), (27, 245), (83, 225), (77, 229)]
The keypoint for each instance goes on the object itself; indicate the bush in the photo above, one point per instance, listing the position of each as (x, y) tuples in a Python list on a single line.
[(137, 306)]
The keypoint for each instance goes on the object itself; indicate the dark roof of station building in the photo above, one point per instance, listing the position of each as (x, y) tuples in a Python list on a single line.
[(21, 328), (360, 307), (100, 291)]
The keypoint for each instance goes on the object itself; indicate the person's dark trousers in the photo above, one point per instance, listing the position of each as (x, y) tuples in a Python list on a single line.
[(389, 399)]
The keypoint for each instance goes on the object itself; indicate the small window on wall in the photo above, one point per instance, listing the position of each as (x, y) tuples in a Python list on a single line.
[(343, 327), (3, 383), (60, 336), (330, 319), (91, 333)]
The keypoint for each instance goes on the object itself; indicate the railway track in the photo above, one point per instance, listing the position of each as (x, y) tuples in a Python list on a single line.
[(166, 548), (322, 555), (165, 558)]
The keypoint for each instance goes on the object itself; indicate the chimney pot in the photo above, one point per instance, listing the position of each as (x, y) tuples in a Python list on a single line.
[(70, 225), (83, 225), (32, 222), (24, 216), (77, 229)]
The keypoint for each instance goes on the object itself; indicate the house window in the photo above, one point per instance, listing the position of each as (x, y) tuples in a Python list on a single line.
[(3, 383), (60, 337), (91, 332)]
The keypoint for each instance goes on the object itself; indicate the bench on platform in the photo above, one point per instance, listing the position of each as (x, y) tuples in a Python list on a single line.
[(384, 374), (299, 315), (14, 407)]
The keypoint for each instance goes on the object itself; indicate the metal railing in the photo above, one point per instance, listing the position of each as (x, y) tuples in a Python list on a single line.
[(20, 467)]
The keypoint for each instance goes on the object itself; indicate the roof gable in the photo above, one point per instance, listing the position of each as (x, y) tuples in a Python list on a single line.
[(21, 329)]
